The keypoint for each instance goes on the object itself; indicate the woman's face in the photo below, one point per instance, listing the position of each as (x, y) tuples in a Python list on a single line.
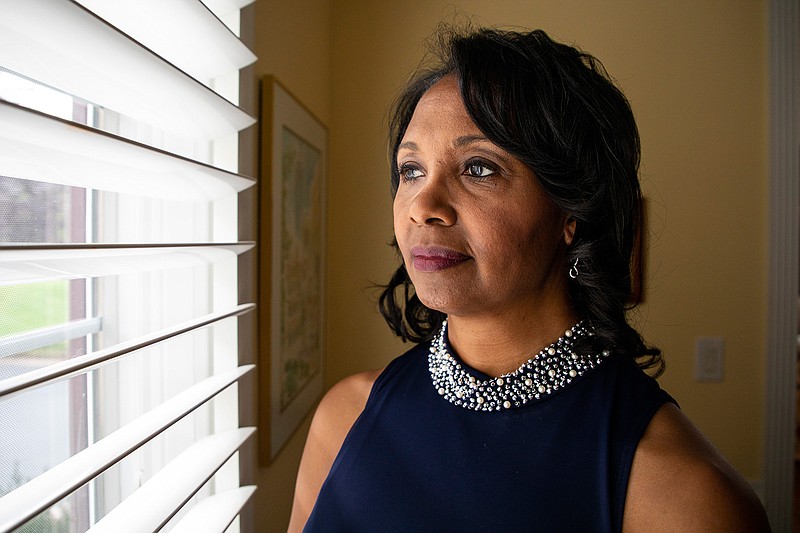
[(477, 232)]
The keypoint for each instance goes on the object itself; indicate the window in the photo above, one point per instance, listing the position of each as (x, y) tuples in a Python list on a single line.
[(118, 265)]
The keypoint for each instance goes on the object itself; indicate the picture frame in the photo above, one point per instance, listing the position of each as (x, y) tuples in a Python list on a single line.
[(292, 227)]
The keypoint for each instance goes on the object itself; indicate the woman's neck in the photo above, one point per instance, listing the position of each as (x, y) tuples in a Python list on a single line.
[(499, 344)]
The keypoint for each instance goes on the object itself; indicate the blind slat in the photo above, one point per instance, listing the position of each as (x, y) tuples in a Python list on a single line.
[(185, 33), (169, 489), (39, 147), (62, 45), (223, 7), (31, 264), (84, 363), (215, 513), (41, 337), (25, 502)]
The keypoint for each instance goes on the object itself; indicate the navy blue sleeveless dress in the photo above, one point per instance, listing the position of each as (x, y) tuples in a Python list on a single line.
[(413, 462)]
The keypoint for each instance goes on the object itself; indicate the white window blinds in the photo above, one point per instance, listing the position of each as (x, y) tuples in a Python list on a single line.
[(119, 254)]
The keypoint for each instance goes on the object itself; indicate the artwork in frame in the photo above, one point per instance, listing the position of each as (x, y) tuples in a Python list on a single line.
[(292, 194)]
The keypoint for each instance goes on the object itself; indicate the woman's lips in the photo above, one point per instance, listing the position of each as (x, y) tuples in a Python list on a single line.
[(433, 259)]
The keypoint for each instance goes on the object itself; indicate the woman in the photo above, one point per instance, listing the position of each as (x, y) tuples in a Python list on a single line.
[(524, 406)]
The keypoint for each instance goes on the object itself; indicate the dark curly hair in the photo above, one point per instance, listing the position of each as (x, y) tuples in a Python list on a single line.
[(556, 109)]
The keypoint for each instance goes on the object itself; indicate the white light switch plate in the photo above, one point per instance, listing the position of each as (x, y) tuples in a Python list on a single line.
[(709, 358)]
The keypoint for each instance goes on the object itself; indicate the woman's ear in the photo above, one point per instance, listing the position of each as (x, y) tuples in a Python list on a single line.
[(569, 229)]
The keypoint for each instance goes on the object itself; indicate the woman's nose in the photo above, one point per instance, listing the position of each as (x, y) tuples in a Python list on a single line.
[(433, 203)]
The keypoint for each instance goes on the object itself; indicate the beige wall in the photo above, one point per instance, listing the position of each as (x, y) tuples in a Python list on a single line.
[(695, 73)]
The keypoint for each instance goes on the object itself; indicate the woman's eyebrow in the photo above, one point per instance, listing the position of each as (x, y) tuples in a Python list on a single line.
[(409, 145), (466, 140), (469, 139)]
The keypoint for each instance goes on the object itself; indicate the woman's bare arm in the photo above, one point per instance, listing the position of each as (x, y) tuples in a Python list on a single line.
[(335, 415), (680, 483)]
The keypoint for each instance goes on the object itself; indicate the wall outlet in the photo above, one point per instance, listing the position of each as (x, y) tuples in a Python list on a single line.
[(709, 358)]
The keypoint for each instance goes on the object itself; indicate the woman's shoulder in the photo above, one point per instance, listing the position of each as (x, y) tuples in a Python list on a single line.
[(680, 482), (343, 403), (335, 415)]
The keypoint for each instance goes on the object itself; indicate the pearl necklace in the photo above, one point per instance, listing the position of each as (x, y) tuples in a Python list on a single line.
[(549, 370)]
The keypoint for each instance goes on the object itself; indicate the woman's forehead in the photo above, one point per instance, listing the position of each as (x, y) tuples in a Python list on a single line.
[(440, 110), (445, 92)]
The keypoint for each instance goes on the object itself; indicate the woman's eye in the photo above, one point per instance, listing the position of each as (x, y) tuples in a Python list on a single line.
[(409, 172), (480, 169)]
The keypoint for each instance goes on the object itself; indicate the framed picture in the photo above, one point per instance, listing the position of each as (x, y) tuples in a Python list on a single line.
[(292, 198)]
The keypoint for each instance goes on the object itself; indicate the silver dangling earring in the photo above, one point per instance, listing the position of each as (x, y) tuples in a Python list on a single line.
[(573, 271)]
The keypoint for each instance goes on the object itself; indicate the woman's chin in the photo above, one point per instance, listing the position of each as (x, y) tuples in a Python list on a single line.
[(436, 301)]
